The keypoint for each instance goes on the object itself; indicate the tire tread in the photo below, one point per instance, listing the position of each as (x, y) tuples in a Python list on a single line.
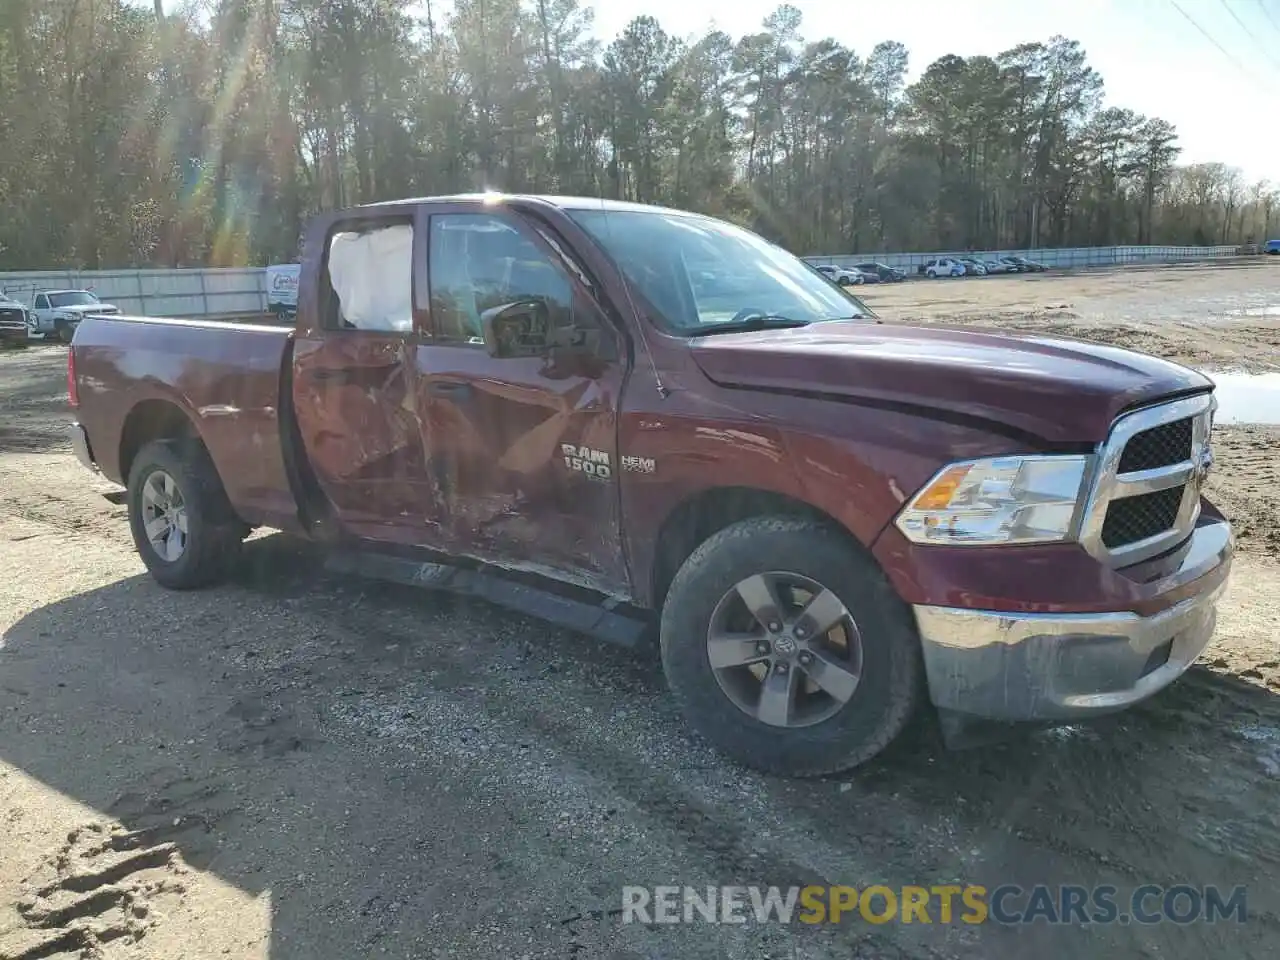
[(215, 543), (905, 681)]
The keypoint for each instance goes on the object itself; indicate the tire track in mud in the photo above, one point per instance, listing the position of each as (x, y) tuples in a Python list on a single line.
[(102, 884), (62, 515)]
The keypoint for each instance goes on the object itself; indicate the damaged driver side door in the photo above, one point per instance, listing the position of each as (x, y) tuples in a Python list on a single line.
[(522, 448)]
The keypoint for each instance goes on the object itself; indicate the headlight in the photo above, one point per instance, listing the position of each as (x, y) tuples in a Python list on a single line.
[(1000, 500)]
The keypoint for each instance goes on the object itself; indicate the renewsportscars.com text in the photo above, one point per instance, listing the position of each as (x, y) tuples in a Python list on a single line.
[(939, 903)]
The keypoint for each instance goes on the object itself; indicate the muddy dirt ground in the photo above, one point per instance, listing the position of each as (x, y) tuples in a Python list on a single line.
[(1224, 315), (295, 766)]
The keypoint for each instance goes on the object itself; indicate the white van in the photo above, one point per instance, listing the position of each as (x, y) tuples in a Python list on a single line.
[(282, 288)]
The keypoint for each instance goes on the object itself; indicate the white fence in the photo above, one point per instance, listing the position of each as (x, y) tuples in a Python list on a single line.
[(155, 293), (243, 290), (1063, 258)]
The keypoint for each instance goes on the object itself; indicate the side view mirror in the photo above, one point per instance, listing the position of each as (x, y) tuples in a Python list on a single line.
[(519, 329)]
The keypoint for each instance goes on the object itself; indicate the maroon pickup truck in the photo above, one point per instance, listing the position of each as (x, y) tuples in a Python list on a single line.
[(622, 418)]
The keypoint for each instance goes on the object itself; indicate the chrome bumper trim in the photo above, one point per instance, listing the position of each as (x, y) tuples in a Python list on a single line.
[(1003, 666)]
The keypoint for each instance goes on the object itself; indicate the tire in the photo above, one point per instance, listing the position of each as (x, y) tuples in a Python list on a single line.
[(64, 331), (213, 531), (931, 274), (890, 688)]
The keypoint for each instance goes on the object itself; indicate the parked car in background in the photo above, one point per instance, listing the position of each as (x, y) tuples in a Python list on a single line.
[(876, 272), (1000, 265), (1273, 246), (59, 312), (942, 267), (282, 289), (1027, 266), (842, 275), (974, 268), (15, 321)]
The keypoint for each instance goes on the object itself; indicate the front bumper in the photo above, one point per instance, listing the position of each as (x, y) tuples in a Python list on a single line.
[(1022, 666)]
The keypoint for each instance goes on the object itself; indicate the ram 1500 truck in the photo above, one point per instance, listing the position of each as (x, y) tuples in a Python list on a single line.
[(622, 417)]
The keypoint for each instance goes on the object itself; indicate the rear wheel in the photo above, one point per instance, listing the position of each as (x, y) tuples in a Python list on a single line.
[(183, 526), (787, 648)]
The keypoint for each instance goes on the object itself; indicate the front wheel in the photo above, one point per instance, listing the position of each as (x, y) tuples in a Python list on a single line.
[(787, 649), (183, 526)]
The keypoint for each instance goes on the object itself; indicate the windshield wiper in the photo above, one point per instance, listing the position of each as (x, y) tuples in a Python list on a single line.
[(761, 321)]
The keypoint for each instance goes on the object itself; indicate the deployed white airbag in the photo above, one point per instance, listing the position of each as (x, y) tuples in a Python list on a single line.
[(372, 274)]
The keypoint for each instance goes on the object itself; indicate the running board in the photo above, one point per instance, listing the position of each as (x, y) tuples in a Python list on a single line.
[(597, 620)]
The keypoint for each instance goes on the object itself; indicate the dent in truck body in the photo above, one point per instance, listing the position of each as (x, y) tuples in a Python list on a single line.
[(498, 465), (353, 399)]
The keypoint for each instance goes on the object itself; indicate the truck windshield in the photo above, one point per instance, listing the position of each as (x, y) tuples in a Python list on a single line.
[(72, 298), (699, 274)]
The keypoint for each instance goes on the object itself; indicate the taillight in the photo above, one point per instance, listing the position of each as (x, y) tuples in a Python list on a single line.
[(72, 396)]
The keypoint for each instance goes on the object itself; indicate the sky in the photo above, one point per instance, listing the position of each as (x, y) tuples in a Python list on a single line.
[(1226, 106), (1213, 70)]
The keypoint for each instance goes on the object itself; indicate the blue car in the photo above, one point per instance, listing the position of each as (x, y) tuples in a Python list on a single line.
[(1273, 246)]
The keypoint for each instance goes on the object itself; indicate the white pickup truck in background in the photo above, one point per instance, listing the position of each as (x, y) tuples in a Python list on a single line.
[(59, 312), (282, 289)]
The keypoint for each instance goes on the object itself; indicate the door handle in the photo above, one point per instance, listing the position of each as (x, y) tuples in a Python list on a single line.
[(450, 388)]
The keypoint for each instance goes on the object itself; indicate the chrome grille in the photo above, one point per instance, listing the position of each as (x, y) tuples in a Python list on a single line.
[(1160, 446), (1136, 518), (1144, 497)]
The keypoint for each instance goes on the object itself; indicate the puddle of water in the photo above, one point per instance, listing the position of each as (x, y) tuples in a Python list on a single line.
[(1247, 397), (1252, 312)]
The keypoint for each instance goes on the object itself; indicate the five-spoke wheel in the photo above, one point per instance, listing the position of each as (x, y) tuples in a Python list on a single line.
[(784, 649), (788, 649)]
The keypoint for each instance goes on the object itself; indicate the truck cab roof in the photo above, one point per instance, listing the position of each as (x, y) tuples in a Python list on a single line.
[(554, 200)]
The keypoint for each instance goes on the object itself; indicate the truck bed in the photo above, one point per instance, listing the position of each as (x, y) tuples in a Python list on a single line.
[(224, 377)]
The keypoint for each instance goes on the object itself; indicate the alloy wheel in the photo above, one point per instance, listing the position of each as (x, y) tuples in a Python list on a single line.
[(784, 649), (164, 516)]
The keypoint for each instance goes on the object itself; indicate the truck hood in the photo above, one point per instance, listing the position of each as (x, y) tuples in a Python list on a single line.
[(1062, 391)]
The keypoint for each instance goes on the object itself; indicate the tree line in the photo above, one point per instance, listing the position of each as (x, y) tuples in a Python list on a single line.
[(132, 136)]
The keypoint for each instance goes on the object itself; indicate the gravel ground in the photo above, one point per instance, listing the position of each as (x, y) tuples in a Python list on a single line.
[(295, 766)]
